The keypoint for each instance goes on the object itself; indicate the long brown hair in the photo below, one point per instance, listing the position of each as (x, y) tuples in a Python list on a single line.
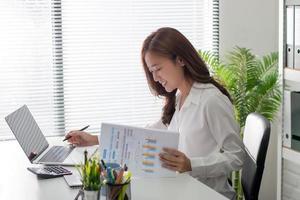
[(170, 43)]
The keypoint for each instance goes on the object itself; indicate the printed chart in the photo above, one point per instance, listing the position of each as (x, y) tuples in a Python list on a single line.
[(137, 147)]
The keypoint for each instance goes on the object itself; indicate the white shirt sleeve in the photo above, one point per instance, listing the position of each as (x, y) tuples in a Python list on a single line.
[(157, 125), (230, 153)]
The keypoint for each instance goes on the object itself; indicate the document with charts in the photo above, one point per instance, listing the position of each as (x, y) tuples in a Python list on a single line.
[(137, 147)]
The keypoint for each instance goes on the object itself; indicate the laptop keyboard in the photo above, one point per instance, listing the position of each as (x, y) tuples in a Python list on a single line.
[(56, 154)]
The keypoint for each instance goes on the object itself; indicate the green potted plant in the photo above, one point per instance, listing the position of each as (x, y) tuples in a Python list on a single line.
[(90, 173), (253, 84)]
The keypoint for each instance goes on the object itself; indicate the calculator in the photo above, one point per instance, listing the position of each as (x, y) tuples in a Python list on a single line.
[(49, 171)]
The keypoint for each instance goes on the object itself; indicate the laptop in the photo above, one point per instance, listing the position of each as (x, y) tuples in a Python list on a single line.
[(36, 147)]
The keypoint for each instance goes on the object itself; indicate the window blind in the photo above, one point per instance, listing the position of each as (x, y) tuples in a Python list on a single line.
[(103, 76), (26, 61), (94, 72)]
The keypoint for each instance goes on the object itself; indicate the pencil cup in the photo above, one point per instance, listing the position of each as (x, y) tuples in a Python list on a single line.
[(118, 191), (115, 166)]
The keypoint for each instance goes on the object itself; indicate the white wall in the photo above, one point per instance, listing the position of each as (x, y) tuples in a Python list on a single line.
[(253, 24)]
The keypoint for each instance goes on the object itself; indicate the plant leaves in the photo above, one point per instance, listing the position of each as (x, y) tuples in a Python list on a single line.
[(253, 83)]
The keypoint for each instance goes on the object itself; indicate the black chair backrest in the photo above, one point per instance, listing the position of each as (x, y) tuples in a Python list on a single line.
[(256, 140)]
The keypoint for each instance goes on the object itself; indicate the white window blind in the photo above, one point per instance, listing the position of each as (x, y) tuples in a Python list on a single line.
[(103, 76), (26, 61), (84, 63)]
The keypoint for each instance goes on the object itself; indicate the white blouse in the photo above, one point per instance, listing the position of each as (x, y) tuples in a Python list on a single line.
[(208, 136)]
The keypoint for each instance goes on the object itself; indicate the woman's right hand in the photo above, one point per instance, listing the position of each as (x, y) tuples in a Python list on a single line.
[(81, 138)]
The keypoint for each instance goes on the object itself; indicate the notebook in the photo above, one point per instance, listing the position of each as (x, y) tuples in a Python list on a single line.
[(35, 145), (73, 180)]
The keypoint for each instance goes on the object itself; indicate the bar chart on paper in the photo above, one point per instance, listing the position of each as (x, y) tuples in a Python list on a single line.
[(137, 147)]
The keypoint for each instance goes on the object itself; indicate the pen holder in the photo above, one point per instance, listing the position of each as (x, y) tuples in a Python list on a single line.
[(118, 191), (115, 166)]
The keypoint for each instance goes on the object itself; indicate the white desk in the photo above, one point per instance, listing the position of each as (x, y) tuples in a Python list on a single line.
[(17, 183)]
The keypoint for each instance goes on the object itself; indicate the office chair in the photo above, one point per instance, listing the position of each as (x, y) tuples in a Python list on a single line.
[(256, 140)]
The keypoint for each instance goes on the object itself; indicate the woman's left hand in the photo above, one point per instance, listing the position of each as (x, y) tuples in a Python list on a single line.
[(175, 160)]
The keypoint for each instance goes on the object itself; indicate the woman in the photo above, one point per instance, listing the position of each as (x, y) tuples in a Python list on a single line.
[(196, 106)]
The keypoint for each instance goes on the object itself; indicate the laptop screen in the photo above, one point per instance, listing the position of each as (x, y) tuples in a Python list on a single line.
[(27, 132)]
